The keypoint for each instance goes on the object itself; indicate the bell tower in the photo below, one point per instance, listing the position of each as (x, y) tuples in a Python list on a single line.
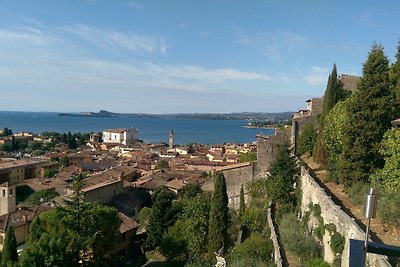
[(171, 139)]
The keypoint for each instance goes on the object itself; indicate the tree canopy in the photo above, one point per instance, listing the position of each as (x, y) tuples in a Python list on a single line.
[(281, 176), (73, 232), (370, 111), (9, 253)]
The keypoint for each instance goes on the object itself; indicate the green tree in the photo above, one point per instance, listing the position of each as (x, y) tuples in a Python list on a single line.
[(242, 204), (306, 140), (71, 141), (254, 219), (256, 247), (7, 132), (9, 253), (162, 164), (282, 176), (333, 94), (389, 177), (189, 191), (188, 236), (218, 224), (371, 110), (394, 75), (65, 161), (74, 232), (295, 238), (161, 216), (333, 136)]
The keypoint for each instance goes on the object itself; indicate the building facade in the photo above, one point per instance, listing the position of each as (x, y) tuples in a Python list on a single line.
[(120, 136)]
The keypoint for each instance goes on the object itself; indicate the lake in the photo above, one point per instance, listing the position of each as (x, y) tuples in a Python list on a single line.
[(150, 130)]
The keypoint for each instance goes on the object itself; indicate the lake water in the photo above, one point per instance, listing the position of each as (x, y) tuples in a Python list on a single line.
[(149, 129)]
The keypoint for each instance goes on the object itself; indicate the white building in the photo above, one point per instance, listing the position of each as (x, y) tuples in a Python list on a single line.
[(120, 136)]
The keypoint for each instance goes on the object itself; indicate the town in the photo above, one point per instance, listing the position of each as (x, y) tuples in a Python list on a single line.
[(120, 171)]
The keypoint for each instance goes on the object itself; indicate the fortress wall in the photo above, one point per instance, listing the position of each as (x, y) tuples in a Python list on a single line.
[(235, 178), (332, 213)]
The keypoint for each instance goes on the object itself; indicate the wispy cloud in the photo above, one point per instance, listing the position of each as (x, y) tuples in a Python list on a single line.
[(135, 4), (274, 45), (317, 75), (204, 34), (111, 40)]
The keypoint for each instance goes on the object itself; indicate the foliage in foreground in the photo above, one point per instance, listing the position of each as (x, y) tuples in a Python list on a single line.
[(75, 232), (256, 248), (296, 239), (282, 176), (306, 140)]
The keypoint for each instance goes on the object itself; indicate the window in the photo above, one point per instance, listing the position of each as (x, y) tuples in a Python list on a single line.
[(4, 192), (10, 192)]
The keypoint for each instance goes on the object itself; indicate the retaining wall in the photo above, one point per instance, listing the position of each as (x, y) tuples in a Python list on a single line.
[(332, 213)]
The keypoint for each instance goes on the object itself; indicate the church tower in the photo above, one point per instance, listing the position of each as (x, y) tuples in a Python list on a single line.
[(171, 139), (7, 198)]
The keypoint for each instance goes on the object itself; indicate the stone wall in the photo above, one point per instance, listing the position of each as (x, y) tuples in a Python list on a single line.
[(240, 174), (236, 176), (332, 213), (274, 238)]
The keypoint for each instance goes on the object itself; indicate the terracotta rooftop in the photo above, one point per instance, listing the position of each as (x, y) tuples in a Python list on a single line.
[(176, 184), (21, 216), (127, 224), (18, 163)]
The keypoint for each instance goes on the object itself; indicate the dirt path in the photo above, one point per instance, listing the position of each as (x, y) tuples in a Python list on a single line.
[(387, 234)]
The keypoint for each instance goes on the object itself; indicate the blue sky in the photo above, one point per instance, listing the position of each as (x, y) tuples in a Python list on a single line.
[(168, 56)]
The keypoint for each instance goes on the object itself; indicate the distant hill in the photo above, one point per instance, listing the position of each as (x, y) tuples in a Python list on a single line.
[(257, 116)]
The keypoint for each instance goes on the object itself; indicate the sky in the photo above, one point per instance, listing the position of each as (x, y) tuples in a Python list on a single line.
[(186, 56)]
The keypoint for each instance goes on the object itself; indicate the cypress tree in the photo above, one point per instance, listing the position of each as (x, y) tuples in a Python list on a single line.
[(333, 94), (218, 225), (371, 110), (159, 219), (395, 75), (9, 253), (242, 205), (282, 175)]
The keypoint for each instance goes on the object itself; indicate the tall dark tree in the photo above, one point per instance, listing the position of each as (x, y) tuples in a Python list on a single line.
[(7, 132), (333, 94), (242, 204), (161, 216), (9, 253), (219, 222), (282, 176), (371, 110), (395, 75)]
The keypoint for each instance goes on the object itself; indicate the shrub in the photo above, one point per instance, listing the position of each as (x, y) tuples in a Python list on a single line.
[(296, 239), (317, 263), (389, 208), (357, 192), (255, 248), (337, 243)]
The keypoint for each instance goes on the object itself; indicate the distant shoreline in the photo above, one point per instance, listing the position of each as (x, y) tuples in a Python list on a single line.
[(250, 116), (260, 127)]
